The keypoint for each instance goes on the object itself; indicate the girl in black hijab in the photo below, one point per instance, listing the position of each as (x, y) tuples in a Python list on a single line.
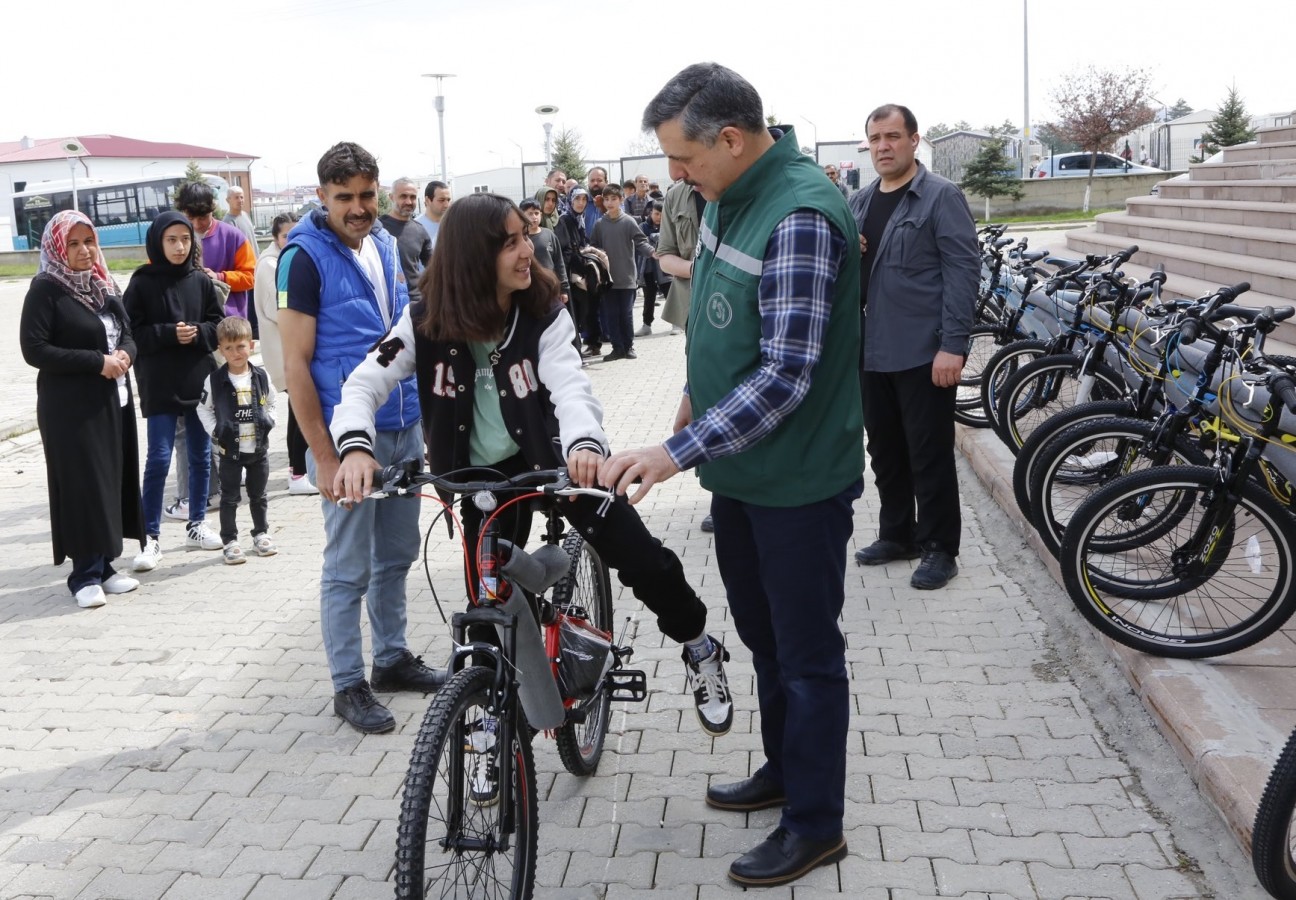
[(174, 309)]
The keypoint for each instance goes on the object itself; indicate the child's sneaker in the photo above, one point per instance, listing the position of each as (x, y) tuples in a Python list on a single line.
[(710, 687), (149, 557), (263, 545), (234, 554), (179, 510), (300, 484), (200, 537)]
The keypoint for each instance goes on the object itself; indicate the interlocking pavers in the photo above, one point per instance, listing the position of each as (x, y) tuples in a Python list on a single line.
[(186, 731)]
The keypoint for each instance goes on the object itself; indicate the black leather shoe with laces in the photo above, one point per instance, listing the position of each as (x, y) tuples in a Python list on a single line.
[(407, 674), (880, 551), (358, 705), (935, 570), (784, 857)]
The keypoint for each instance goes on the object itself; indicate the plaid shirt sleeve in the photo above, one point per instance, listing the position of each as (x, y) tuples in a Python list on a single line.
[(800, 269)]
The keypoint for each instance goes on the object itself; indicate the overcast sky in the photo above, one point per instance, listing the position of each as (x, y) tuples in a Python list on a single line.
[(284, 79)]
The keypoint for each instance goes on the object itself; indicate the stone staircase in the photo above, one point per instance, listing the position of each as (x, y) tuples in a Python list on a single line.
[(1226, 222)]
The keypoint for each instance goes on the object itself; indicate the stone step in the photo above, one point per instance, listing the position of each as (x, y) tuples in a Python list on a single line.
[(1255, 152), (1276, 134), (1283, 340), (1274, 278), (1256, 214), (1243, 171), (1243, 190), (1242, 240)]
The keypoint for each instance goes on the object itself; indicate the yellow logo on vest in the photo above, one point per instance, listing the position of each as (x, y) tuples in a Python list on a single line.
[(719, 312)]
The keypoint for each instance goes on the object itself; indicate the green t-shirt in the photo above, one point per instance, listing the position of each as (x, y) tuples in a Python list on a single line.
[(489, 442)]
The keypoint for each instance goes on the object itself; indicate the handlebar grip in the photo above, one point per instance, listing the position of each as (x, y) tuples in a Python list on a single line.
[(1127, 253), (1189, 330), (1284, 387), (1283, 314), (1229, 293)]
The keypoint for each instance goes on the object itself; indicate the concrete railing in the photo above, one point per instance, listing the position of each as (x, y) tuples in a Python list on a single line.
[(1048, 195)]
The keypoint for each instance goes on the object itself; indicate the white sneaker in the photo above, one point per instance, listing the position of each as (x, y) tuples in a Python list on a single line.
[(149, 557), (675, 329), (300, 484), (90, 596), (234, 554), (119, 583), (179, 510), (644, 331), (263, 545), (200, 537), (710, 686)]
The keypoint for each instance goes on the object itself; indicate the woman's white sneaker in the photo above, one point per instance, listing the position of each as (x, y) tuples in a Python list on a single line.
[(90, 596), (200, 537), (119, 583), (149, 557)]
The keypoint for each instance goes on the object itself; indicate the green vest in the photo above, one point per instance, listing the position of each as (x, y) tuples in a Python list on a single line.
[(817, 451)]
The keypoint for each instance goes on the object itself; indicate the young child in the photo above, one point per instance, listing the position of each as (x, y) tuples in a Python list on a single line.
[(548, 252), (618, 236), (655, 281), (237, 409)]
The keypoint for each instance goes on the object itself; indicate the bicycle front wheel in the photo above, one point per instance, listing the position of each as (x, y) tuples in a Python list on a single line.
[(455, 836), (586, 591), (1273, 837), (1003, 366), (983, 343), (1165, 596), (1046, 386)]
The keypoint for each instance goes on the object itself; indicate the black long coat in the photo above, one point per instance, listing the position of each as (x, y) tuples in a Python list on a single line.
[(91, 446)]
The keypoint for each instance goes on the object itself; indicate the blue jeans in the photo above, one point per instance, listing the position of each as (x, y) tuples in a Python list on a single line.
[(784, 571), (161, 438), (619, 306), (368, 551)]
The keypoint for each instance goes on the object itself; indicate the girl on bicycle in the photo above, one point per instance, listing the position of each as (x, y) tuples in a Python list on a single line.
[(501, 387)]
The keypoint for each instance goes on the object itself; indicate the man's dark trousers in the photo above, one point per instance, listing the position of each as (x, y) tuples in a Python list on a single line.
[(784, 572), (909, 426)]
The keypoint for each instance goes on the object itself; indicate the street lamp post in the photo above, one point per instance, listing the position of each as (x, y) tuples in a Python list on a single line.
[(145, 166), (816, 135), (546, 112), (440, 111)]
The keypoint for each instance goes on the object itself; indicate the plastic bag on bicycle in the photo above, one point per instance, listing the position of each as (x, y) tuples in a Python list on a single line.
[(584, 657)]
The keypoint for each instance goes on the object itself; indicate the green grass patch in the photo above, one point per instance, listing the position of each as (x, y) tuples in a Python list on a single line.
[(28, 271), (1073, 215)]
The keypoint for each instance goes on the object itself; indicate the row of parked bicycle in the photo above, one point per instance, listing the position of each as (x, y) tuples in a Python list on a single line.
[(1155, 457)]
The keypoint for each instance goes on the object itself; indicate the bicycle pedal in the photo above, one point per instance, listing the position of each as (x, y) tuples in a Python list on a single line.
[(628, 685)]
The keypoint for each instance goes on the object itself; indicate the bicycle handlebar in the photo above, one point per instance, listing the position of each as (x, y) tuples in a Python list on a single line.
[(1284, 387), (398, 479)]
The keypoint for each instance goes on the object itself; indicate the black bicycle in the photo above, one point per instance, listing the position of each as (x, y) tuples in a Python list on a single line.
[(468, 823)]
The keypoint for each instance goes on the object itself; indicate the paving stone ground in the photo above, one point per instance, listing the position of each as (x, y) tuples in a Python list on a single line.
[(180, 742)]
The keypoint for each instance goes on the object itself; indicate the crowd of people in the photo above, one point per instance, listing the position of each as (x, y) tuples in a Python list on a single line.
[(460, 337)]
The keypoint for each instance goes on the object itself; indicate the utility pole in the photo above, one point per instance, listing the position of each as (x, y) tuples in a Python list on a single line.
[(1026, 125)]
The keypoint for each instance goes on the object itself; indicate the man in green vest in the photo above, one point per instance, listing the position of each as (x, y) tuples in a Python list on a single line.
[(772, 420)]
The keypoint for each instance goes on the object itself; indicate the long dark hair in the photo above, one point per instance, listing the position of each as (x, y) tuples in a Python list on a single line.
[(459, 284)]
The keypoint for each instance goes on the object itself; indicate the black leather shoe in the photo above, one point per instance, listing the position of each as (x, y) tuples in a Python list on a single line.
[(361, 708), (757, 792), (784, 857), (615, 355), (708, 523), (880, 551), (630, 354), (407, 674), (935, 570)]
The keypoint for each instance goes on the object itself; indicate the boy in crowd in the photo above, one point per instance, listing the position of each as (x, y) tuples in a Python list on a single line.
[(548, 252), (237, 409), (623, 242), (654, 281)]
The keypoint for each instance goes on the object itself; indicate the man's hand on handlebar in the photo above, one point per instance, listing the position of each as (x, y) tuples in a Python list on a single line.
[(652, 465), (354, 479)]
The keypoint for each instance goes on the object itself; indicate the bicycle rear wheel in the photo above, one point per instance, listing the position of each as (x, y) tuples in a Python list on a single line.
[(1002, 366), (451, 840), (983, 343), (1273, 837), (585, 590), (1163, 600), (1023, 469), (1047, 386)]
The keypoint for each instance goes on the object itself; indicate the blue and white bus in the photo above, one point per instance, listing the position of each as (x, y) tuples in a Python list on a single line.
[(121, 210)]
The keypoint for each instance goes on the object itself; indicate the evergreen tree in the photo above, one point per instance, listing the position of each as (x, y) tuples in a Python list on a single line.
[(384, 201), (1053, 140), (1179, 110), (1230, 126), (568, 154), (991, 174), (940, 129), (194, 175)]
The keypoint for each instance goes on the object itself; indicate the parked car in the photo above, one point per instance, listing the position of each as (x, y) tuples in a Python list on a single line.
[(1073, 165)]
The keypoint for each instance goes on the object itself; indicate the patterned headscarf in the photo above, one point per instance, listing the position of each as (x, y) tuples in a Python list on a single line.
[(92, 287)]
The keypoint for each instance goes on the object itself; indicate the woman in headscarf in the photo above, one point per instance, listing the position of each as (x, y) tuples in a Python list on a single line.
[(75, 331), (174, 309)]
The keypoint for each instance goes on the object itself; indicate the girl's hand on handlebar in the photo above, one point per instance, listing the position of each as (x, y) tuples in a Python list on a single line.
[(583, 467), (354, 479)]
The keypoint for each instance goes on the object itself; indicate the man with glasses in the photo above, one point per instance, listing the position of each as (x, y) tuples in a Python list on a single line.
[(835, 177)]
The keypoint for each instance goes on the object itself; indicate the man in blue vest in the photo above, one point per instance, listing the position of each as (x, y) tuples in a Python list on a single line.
[(772, 420), (338, 295)]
